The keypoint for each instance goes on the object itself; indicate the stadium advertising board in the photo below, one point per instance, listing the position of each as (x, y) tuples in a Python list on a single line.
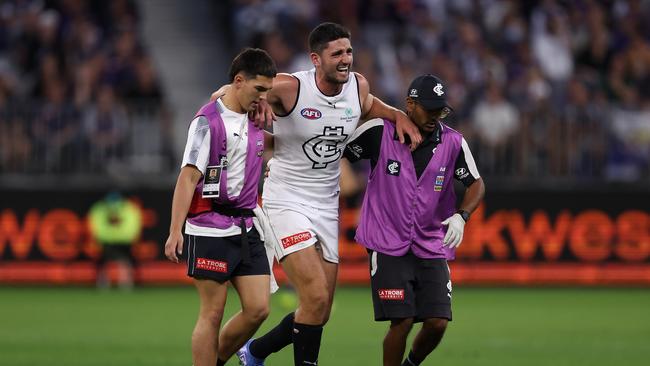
[(513, 238)]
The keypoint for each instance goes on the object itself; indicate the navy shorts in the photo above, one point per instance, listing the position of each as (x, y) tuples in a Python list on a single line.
[(116, 252), (219, 258), (409, 287)]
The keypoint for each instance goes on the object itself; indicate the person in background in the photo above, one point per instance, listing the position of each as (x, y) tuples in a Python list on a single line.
[(115, 223)]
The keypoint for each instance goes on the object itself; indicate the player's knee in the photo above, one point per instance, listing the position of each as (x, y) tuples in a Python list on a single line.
[(212, 316), (257, 314), (317, 302), (320, 303), (402, 325), (435, 325)]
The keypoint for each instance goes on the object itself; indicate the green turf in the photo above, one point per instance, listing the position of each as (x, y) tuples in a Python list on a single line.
[(40, 326)]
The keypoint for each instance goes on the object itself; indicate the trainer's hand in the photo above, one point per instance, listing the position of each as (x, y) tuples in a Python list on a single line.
[(455, 227), (219, 93), (404, 126), (263, 115), (174, 246)]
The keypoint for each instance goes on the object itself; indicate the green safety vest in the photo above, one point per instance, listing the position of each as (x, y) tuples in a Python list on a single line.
[(116, 222)]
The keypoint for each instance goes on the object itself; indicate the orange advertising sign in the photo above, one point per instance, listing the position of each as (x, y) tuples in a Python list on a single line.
[(516, 238)]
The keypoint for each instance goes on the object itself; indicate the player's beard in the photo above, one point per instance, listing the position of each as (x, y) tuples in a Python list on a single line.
[(332, 77)]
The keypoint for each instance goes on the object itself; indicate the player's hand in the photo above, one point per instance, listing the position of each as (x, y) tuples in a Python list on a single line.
[(404, 126), (263, 115), (455, 227), (174, 246), (219, 93)]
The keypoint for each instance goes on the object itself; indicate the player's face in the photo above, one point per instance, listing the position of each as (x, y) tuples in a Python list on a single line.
[(426, 120), (251, 91), (335, 61)]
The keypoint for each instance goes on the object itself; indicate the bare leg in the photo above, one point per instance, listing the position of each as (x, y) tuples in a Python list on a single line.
[(310, 281), (254, 295), (428, 337), (395, 341), (314, 280), (331, 272), (205, 337)]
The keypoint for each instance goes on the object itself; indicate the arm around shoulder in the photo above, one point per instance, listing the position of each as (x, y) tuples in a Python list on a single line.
[(284, 94), (371, 106)]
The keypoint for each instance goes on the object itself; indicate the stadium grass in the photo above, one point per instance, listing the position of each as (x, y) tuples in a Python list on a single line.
[(492, 326)]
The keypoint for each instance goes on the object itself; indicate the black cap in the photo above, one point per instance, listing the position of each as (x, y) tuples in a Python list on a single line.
[(429, 91)]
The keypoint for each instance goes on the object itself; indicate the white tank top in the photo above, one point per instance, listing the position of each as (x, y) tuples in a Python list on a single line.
[(309, 143)]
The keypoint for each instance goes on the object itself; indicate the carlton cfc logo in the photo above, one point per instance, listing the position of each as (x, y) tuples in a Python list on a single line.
[(438, 89), (393, 167), (311, 113), (325, 148)]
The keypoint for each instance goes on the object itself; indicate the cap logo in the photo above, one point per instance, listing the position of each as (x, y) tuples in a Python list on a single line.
[(438, 89), (413, 93)]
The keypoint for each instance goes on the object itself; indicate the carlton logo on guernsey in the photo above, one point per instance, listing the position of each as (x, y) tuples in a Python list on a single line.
[(202, 211)]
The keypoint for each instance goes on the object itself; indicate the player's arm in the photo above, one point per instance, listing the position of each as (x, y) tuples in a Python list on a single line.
[(262, 117), (365, 142), (465, 171), (280, 100), (195, 161), (183, 192), (473, 196), (284, 95), (372, 107), (219, 92)]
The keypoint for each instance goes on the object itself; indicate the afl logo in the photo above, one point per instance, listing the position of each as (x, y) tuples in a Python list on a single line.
[(311, 113)]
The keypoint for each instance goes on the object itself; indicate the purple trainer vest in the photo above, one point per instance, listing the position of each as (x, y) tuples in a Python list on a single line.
[(200, 209), (401, 212)]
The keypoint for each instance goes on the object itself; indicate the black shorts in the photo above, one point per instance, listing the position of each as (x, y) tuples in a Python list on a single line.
[(116, 252), (219, 258), (409, 287)]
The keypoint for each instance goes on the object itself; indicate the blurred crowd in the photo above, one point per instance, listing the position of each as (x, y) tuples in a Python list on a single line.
[(78, 90), (550, 92)]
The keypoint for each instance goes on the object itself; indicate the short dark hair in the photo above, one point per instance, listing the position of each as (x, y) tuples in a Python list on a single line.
[(325, 33), (252, 62)]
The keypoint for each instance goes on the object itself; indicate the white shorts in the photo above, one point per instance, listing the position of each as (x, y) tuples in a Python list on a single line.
[(296, 226)]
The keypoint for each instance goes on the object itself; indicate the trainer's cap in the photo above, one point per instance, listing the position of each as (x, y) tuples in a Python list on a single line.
[(429, 91)]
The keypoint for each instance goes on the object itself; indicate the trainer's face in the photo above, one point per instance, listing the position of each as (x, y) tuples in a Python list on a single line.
[(335, 61), (426, 120), (251, 91)]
